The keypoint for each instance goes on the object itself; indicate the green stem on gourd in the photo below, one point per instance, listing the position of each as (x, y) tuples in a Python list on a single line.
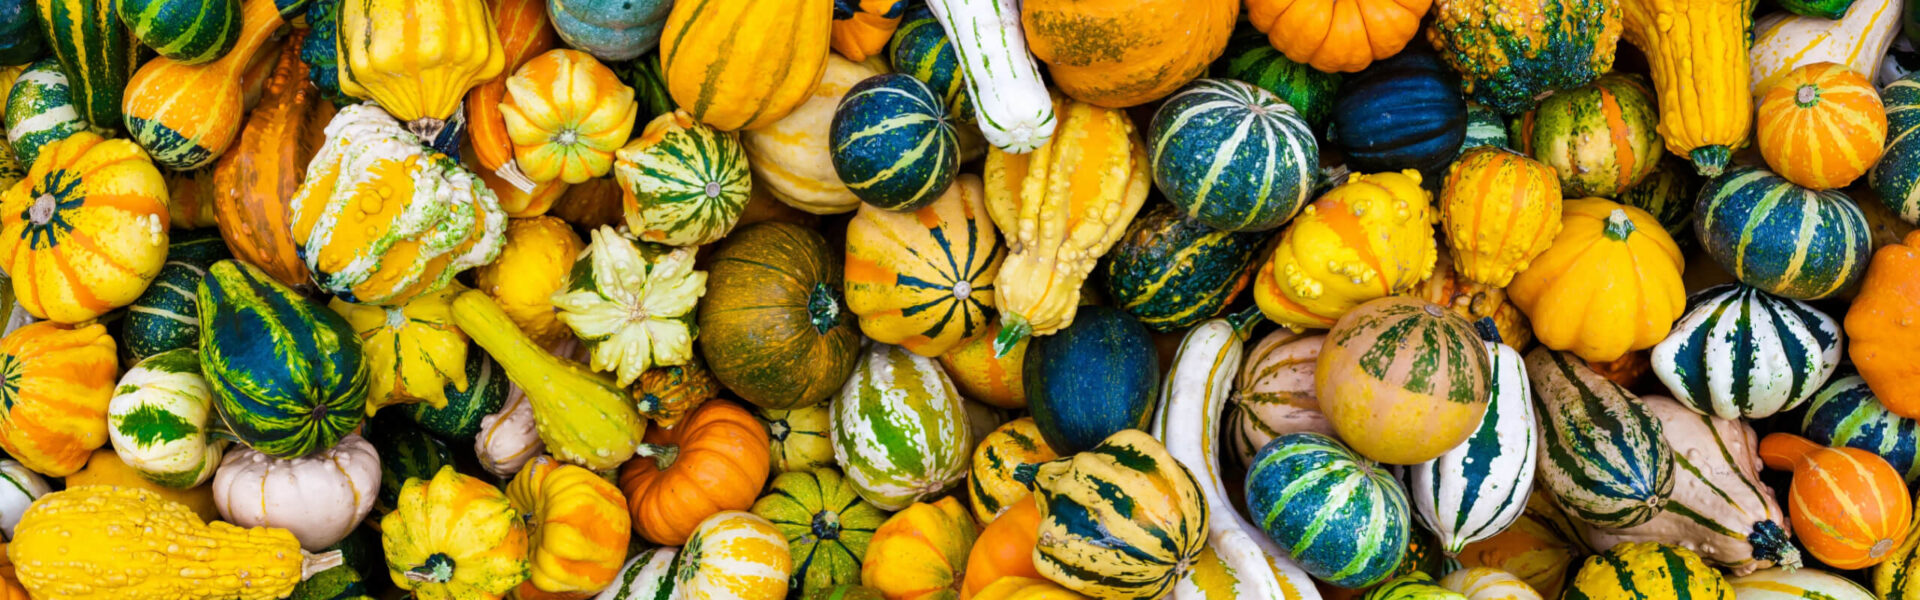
[(1244, 321), (437, 569), (1619, 225), (1710, 161), (1013, 328), (823, 308), (663, 455)]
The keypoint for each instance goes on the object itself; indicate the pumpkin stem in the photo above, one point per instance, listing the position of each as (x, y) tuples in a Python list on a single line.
[(1013, 328), (823, 306), (312, 564), (42, 209), (1710, 161), (663, 455), (1770, 543), (1619, 225), (437, 569), (826, 525), (1487, 330), (1807, 96)]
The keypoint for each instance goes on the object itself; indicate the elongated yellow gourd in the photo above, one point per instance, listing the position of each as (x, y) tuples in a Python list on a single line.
[(1698, 53)]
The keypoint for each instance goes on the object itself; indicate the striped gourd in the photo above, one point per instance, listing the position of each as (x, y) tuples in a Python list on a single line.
[(1171, 271), (924, 279), (1251, 58), (1738, 352), (1896, 578), (1233, 156), (286, 373), (406, 452), (742, 65), (460, 419), (892, 143), (1540, 548), (1845, 413), (1480, 487), (58, 383), (19, 487), (1414, 586), (1485, 127), (189, 31), (1003, 465), (1798, 584), (1500, 210), (1119, 521), (1719, 507), (86, 230), (1602, 454), (799, 437), (1896, 178), (646, 576), (734, 555), (899, 428), (159, 417), (166, 316), (1403, 380), (1009, 98), (1782, 238), (1821, 125), (1599, 137), (321, 52), (1273, 395), (1483, 583), (40, 110), (920, 48), (1850, 508), (1343, 518), (1667, 194), (96, 51), (1647, 571), (826, 524), (686, 183)]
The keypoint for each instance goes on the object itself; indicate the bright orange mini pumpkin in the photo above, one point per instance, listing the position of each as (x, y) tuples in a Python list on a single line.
[(86, 230), (1849, 507), (715, 461), (1120, 54), (577, 529), (58, 383), (1338, 36), (1821, 126), (566, 113), (921, 552), (1005, 548), (1882, 324)]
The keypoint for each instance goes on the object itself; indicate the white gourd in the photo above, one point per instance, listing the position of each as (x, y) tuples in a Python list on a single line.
[(1479, 488), (22, 487), (159, 418), (320, 498), (1783, 40), (1009, 99)]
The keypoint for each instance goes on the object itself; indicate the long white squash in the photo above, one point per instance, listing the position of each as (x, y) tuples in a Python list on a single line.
[(1188, 421), (1010, 100)]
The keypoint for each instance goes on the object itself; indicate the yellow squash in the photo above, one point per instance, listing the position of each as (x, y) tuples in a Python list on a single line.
[(741, 64), (1609, 284), (1500, 210), (417, 58), (454, 537), (86, 230), (578, 529), (413, 351), (924, 279), (1369, 238), (1698, 53), (566, 113), (920, 552), (536, 262)]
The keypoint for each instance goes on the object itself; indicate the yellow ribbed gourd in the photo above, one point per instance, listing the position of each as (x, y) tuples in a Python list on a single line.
[(577, 529), (1500, 210), (1369, 238), (1698, 53), (420, 71), (454, 537), (1060, 208), (741, 64), (1609, 284), (121, 543), (921, 552)]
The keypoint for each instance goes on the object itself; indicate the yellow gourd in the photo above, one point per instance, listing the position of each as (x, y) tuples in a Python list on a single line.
[(454, 537), (1698, 53), (119, 543), (536, 262), (578, 529), (417, 58), (1500, 209), (413, 351), (1608, 285), (104, 467), (921, 553), (1369, 238)]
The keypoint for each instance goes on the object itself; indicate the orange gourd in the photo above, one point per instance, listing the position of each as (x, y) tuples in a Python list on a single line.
[(1120, 54), (576, 530), (522, 204), (865, 30), (1005, 548), (921, 552), (58, 383), (1500, 210), (1338, 35), (190, 197), (525, 32), (9, 583), (715, 461), (1821, 125), (1882, 324), (187, 115), (1849, 507), (257, 177), (566, 114)]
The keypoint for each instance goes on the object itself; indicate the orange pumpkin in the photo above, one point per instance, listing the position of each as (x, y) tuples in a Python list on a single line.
[(865, 30), (1882, 324), (86, 230), (525, 32), (1338, 36), (715, 461), (576, 530), (1849, 507), (58, 383), (258, 175), (1005, 548), (1120, 54), (9, 583), (1821, 125)]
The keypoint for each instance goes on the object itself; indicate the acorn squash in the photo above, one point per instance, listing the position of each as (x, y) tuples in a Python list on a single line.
[(774, 328), (287, 375)]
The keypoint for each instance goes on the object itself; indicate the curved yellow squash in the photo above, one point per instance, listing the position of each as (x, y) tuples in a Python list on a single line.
[(1369, 238), (1609, 284), (1698, 53), (86, 231), (418, 72), (741, 64)]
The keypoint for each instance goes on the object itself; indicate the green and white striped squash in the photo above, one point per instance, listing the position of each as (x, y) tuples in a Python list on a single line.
[(1486, 583), (1485, 127), (646, 576), (159, 418), (1233, 156), (167, 315), (1782, 238), (1010, 100), (187, 31), (287, 375), (460, 419), (1647, 571), (1739, 352), (1343, 518), (1845, 413), (1667, 194), (1478, 489), (1413, 586), (1274, 395), (19, 487), (826, 524), (892, 144), (1796, 584), (920, 48), (1600, 138), (1251, 58), (1119, 521), (1719, 508), (95, 50), (40, 110), (1896, 178), (801, 438), (406, 452), (687, 182), (1172, 272), (899, 428), (1602, 454)]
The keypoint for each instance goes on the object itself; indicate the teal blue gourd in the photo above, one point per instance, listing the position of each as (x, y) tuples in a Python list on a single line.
[(21, 40), (167, 315), (321, 53), (1485, 127), (459, 421), (891, 143), (1172, 272), (1251, 58), (1092, 379), (1784, 239), (188, 31), (610, 29), (920, 48), (1344, 519), (1233, 156), (1845, 413)]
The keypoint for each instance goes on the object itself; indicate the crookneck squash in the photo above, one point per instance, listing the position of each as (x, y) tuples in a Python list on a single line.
[(418, 72), (924, 279), (86, 230), (632, 304), (413, 351), (1698, 52), (186, 115), (288, 376), (258, 176), (59, 383), (455, 537)]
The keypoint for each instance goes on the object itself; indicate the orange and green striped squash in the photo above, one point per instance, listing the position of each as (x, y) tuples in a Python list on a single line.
[(566, 114), (861, 28), (525, 32), (734, 555), (55, 384), (1499, 210), (983, 376), (921, 552), (924, 279), (1849, 508), (1403, 380), (741, 64), (187, 115), (1821, 125), (1003, 466), (86, 231), (257, 177), (577, 529), (1599, 138)]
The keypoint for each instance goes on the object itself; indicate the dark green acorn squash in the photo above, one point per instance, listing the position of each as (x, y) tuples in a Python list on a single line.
[(920, 48), (774, 325), (188, 31), (21, 40), (1172, 272), (1251, 58), (1232, 155), (167, 315), (459, 421), (1512, 52), (1096, 377), (1782, 238), (1405, 112)]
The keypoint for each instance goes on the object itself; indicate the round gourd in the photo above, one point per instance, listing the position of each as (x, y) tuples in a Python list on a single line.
[(611, 31), (320, 498), (734, 555), (900, 429), (86, 230), (685, 182), (419, 72), (1093, 379), (1668, 193), (1405, 112), (1499, 210), (1233, 156), (187, 115), (1165, 43), (454, 536), (1845, 413), (800, 438), (1740, 353), (648, 575), (793, 157), (158, 420), (1338, 35), (566, 113), (1274, 394), (1251, 58), (921, 551), (1784, 239), (1821, 125), (1004, 549), (1377, 224), (576, 529), (536, 261), (58, 385), (983, 375), (165, 317), (1609, 284), (744, 65), (1344, 519), (1599, 138), (1121, 520), (525, 32), (1511, 54), (892, 143), (1403, 380), (1001, 472), (21, 38), (1603, 454), (19, 487), (1849, 507), (1647, 571), (715, 461), (920, 48), (1482, 583), (826, 524), (460, 419), (1805, 583), (40, 109), (1413, 586), (924, 279), (667, 394), (1895, 178), (773, 326), (1172, 272)]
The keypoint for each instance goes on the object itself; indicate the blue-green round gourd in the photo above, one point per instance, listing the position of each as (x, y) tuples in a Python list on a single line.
[(1896, 178), (1485, 127), (1233, 156), (287, 375), (319, 52), (167, 315), (21, 40), (1405, 112), (187, 31), (891, 143), (1847, 414), (1092, 379), (459, 421), (1250, 57), (920, 48), (1344, 519), (1782, 238), (610, 29), (406, 452), (1172, 272), (40, 110)]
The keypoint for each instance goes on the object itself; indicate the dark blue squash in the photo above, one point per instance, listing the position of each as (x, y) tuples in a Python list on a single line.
[(318, 50), (21, 40), (892, 143), (1095, 378), (1173, 272), (1405, 112)]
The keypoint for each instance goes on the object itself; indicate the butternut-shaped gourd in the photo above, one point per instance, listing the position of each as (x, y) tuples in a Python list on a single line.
[(577, 529), (1698, 52), (741, 64), (1609, 284), (1500, 210), (419, 71), (454, 537), (59, 382), (187, 115), (1369, 238)]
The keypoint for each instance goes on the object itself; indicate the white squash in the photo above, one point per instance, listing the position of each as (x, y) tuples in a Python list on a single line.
[(509, 437), (1486, 583), (1009, 99), (1783, 40), (1796, 584), (1739, 352), (790, 158), (159, 417), (646, 576), (1477, 489), (21, 487), (320, 498), (1274, 394)]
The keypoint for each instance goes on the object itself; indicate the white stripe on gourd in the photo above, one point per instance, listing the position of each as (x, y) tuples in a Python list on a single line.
[(1479, 488), (935, 420), (1010, 101), (1739, 352)]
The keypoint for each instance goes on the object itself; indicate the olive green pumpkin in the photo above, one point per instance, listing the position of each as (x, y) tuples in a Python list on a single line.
[(826, 524), (774, 326)]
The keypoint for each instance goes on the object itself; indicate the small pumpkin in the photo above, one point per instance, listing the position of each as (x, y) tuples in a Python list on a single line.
[(924, 279), (861, 28), (1004, 549), (1309, 281), (632, 304), (800, 439), (1166, 43), (1001, 472), (826, 524), (1500, 210), (921, 552), (686, 183), (1341, 36), (715, 461), (419, 72), (86, 230), (1609, 284), (566, 113), (576, 529), (774, 329), (1850, 507), (454, 536), (159, 417), (1879, 322), (1821, 125), (59, 382), (320, 498), (982, 375), (732, 83), (734, 555)]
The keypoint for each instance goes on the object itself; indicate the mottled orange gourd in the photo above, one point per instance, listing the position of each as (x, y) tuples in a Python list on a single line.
[(1821, 125), (1120, 54), (59, 381), (1499, 210), (257, 177), (1849, 507)]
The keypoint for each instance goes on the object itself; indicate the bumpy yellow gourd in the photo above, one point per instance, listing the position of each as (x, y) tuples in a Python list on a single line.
[(118, 543), (1060, 207), (1698, 53), (1500, 210), (413, 350), (454, 537), (1369, 238), (417, 58)]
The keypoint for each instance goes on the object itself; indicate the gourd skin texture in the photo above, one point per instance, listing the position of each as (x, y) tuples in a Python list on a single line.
[(774, 329), (1302, 480), (1478, 488), (733, 556), (921, 552), (536, 261), (1647, 571), (1603, 455), (1601, 138), (716, 461), (1483, 583), (1233, 156), (686, 183), (1740, 353), (1475, 301), (189, 31), (608, 30), (1857, 40), (1096, 378), (799, 439), (1274, 394), (454, 537), (577, 529), (413, 350), (1698, 55), (319, 498), (59, 384), (1172, 272), (1894, 178), (95, 49), (1784, 239), (1338, 36), (1846, 413), (1509, 53), (827, 526), (263, 169), (1403, 380), (166, 316), (1821, 126), (104, 467), (892, 143), (900, 429), (1609, 284), (920, 48), (1500, 210), (737, 65), (1002, 466), (924, 279), (1320, 269), (158, 420), (566, 113), (632, 305), (1128, 53), (420, 72), (86, 230), (1539, 548), (1881, 324), (40, 110)]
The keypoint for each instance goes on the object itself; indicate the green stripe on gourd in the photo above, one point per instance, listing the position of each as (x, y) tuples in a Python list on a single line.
[(799, 438), (1121, 520), (188, 31), (40, 110), (321, 52), (1647, 571), (1667, 194), (159, 420), (1485, 127), (1602, 454), (892, 144), (1172, 272), (1599, 138), (1896, 178), (1782, 238), (338, 583), (1250, 57), (1740, 353), (1233, 156), (899, 428), (459, 421), (1344, 519), (1480, 487), (1797, 584), (826, 524), (96, 51), (167, 315), (646, 576), (168, 147), (406, 452), (920, 48), (688, 181), (1845, 413), (1415, 586)]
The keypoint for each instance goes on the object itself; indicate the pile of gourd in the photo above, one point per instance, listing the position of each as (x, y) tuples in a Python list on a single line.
[(945, 299)]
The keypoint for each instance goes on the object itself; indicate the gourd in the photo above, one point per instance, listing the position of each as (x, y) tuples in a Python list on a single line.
[(1406, 112), (1782, 584), (576, 529), (1122, 520), (1850, 507), (632, 305), (1172, 272), (1351, 539), (1857, 40), (1261, 160), (861, 28), (40, 110), (188, 31), (165, 316), (1028, 588), (1413, 586), (186, 115), (1167, 43), (1601, 138), (1091, 380), (86, 230), (454, 536), (1249, 57), (827, 526), (1403, 380), (19, 488), (420, 72), (920, 48), (413, 351), (1004, 549), (743, 65), (733, 556), (320, 50), (611, 31), (100, 542), (460, 419), (1786, 350), (287, 375), (565, 113), (1645, 571), (405, 452), (24, 40), (799, 439), (1603, 454), (1509, 55), (686, 183), (1697, 46), (1274, 394), (1784, 239), (320, 498), (59, 383), (525, 32), (1485, 128), (1477, 489), (1482, 583), (1845, 413), (1002, 466), (1010, 102), (1474, 300), (104, 468), (264, 167), (980, 375), (648, 574), (793, 157), (715, 461), (1609, 284), (1892, 579), (774, 329), (95, 50), (892, 144), (1351, 245), (1891, 178), (667, 394), (1877, 321), (899, 429), (1338, 36), (1500, 210), (1821, 126), (159, 420), (924, 279), (535, 262), (1539, 548), (920, 552), (509, 437)]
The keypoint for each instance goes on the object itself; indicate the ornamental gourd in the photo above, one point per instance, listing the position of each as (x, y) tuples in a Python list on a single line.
[(566, 113), (1368, 238), (982, 376), (159, 420), (774, 329), (924, 279), (1779, 237), (95, 50), (1091, 380), (576, 529), (893, 144), (1781, 584), (667, 394), (1475, 301), (419, 72), (827, 526), (734, 555), (186, 115), (900, 429), (1500, 210), (320, 498), (59, 383), (509, 437), (1338, 35), (1648, 571), (1403, 380), (1821, 125), (1004, 549), (861, 28), (258, 176), (1342, 517), (25, 40), (632, 304), (686, 183), (1892, 178), (454, 537), (1172, 272), (413, 351), (609, 30), (799, 439), (287, 375), (1510, 54), (19, 488), (1857, 40), (713, 462), (1274, 394), (188, 31), (920, 48), (1260, 158), (793, 158), (1785, 350), (1879, 322), (1166, 44), (1477, 489), (1603, 454), (1000, 474), (40, 110), (1850, 507), (1539, 548), (920, 552), (1609, 284), (1696, 46), (1483, 583), (1122, 520), (1846, 413), (86, 230), (1405, 112), (1600, 138), (1009, 99), (460, 419), (535, 262), (741, 65), (165, 317), (525, 32)]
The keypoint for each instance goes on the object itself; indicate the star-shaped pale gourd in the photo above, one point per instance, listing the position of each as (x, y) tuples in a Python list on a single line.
[(632, 304)]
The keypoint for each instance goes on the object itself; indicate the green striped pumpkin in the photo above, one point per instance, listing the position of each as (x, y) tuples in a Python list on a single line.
[(167, 316), (920, 48), (1782, 238), (1479, 488), (826, 524), (1414, 586), (1250, 57), (286, 373), (1121, 520), (1845, 413), (1796, 584), (1599, 137), (1647, 571), (649, 90), (688, 182), (1233, 156), (460, 420), (406, 452), (892, 144), (801, 438), (899, 428), (646, 576), (1602, 454), (95, 51), (1667, 194), (1002, 468), (1485, 127), (338, 583), (188, 31), (1172, 272), (1896, 178), (158, 420), (40, 110), (1738, 352), (1344, 519)]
